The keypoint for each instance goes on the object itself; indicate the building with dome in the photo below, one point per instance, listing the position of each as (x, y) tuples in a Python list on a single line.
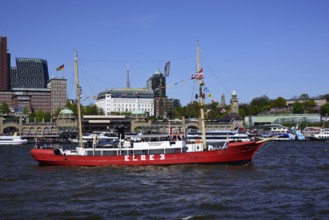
[(66, 120), (234, 103)]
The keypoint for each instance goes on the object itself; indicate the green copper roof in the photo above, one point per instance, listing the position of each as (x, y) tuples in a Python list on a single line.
[(66, 111)]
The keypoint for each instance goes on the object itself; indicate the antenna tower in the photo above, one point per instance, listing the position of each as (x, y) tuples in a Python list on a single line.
[(128, 81)]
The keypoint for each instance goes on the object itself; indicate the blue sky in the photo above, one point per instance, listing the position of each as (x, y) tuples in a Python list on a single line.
[(256, 47)]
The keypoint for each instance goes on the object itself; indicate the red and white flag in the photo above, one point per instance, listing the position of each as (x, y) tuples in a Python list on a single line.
[(199, 75)]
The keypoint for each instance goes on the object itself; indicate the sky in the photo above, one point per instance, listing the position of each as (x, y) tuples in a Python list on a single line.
[(277, 48)]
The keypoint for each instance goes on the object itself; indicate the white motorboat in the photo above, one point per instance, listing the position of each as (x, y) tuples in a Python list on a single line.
[(12, 140)]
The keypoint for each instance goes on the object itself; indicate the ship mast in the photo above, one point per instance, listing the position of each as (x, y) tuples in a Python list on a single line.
[(200, 82), (78, 94)]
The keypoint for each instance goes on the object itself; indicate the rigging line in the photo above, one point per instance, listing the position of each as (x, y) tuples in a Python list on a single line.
[(84, 75), (193, 90), (177, 83), (135, 61), (216, 76), (72, 84), (212, 97)]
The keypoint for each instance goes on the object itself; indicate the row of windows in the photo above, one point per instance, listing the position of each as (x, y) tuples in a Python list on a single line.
[(131, 100), (129, 105), (58, 101), (128, 109)]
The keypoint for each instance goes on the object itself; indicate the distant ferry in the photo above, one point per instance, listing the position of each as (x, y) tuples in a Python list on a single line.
[(215, 136), (12, 140)]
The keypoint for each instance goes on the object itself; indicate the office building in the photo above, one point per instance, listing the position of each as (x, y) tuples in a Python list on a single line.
[(157, 83), (29, 73), (126, 100), (33, 99), (58, 88), (4, 65)]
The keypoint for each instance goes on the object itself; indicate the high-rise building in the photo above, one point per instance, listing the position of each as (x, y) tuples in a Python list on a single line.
[(157, 82), (58, 87), (29, 73), (4, 65)]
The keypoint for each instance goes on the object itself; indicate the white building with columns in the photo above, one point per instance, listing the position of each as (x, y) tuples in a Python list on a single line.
[(126, 100)]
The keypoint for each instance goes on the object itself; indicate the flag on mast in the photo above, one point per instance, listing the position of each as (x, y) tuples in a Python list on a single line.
[(199, 74), (167, 69), (60, 68)]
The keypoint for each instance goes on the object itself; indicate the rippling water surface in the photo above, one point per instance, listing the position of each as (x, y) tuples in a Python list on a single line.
[(288, 180)]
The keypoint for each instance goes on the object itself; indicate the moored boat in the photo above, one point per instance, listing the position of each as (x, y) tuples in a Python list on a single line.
[(323, 135), (12, 140), (135, 151), (149, 153)]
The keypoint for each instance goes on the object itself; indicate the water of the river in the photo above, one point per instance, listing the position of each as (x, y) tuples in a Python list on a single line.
[(288, 180)]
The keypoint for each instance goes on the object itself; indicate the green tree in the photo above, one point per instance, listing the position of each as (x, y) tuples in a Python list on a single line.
[(280, 102), (91, 110), (266, 108), (324, 109), (260, 104), (304, 96), (56, 113), (242, 113), (72, 106), (260, 101), (47, 116), (4, 108), (25, 111), (179, 112), (245, 110), (309, 105), (298, 108), (193, 109), (213, 110), (40, 116)]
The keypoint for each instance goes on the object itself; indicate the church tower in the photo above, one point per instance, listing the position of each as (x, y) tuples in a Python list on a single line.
[(222, 102)]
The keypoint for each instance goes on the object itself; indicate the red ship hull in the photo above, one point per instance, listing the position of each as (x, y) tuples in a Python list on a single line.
[(235, 153)]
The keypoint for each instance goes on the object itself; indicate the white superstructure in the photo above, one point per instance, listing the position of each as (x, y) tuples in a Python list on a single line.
[(12, 140)]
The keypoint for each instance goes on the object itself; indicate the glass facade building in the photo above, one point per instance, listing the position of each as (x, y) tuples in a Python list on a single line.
[(29, 73), (157, 83)]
